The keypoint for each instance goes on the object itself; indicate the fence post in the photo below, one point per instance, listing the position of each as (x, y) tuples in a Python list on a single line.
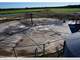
[(43, 49), (31, 18), (36, 52), (58, 52), (14, 52)]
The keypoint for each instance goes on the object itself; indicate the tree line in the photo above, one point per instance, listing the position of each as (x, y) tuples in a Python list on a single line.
[(68, 6)]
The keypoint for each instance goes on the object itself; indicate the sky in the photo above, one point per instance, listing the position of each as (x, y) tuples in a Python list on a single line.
[(35, 4), (39, 0)]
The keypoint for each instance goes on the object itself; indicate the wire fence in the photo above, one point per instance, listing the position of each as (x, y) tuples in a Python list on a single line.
[(41, 46), (36, 50)]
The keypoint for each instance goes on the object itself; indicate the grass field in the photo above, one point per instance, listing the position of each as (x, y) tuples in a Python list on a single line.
[(52, 10)]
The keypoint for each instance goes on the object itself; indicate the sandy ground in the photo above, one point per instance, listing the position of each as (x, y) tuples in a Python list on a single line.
[(52, 36)]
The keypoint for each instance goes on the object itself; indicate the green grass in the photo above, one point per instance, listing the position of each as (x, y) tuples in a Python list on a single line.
[(52, 10), (66, 10), (18, 11)]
